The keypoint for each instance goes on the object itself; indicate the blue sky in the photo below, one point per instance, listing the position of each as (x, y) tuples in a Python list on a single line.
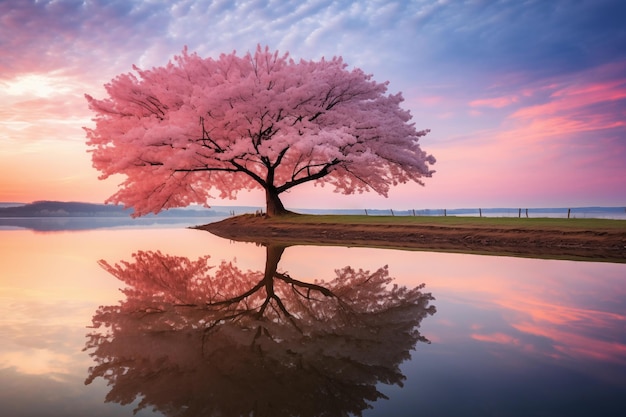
[(526, 100)]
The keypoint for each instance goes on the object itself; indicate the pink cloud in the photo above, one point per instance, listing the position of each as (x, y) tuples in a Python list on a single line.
[(496, 102), (83, 39), (585, 103), (563, 142)]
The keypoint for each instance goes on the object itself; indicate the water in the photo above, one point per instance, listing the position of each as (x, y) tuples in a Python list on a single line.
[(484, 336)]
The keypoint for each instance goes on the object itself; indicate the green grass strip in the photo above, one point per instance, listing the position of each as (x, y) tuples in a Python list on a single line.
[(457, 221)]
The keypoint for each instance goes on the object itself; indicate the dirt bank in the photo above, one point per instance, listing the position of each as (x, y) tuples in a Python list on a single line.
[(577, 244)]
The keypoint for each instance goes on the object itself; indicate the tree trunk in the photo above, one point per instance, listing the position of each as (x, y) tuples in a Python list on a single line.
[(273, 254), (274, 205)]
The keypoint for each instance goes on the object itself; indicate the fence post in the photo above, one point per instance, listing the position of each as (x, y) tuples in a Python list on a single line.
[(568, 212), (480, 212), (444, 213), (392, 212), (519, 213), (366, 212), (413, 212)]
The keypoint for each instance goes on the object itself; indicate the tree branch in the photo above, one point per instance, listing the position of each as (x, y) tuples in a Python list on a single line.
[(309, 286), (206, 137), (320, 174), (239, 298), (252, 174)]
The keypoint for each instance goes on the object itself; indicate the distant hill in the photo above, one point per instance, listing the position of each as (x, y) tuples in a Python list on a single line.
[(63, 209), (10, 204), (77, 209)]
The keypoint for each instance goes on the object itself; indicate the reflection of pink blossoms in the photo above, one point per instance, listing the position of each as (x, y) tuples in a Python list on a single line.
[(190, 339), (155, 280), (159, 283)]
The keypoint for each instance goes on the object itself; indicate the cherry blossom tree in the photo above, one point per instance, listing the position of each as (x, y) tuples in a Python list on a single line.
[(182, 132)]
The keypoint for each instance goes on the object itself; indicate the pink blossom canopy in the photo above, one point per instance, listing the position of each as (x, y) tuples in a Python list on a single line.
[(199, 125)]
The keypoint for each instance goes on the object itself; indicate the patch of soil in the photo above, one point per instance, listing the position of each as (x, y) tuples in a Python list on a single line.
[(576, 244)]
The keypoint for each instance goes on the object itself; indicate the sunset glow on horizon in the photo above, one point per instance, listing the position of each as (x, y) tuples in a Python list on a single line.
[(526, 101)]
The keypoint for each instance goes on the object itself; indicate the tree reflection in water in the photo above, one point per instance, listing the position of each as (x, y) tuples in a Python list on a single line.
[(191, 339)]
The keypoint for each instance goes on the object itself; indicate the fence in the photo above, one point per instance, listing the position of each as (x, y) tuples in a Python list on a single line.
[(578, 212)]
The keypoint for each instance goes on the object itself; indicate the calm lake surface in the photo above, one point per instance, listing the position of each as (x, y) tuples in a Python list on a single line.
[(484, 336)]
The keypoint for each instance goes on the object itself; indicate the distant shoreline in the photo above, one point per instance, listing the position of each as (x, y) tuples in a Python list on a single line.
[(53, 209)]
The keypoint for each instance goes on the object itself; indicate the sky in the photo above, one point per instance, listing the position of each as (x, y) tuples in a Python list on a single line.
[(525, 99)]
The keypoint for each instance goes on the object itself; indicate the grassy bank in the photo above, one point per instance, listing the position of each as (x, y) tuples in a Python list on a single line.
[(554, 238), (454, 221)]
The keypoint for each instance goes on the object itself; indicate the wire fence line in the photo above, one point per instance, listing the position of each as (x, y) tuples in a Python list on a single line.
[(618, 213), (577, 212)]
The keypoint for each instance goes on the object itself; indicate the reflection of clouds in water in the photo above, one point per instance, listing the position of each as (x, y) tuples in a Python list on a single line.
[(42, 364), (499, 340), (552, 309), (42, 338), (551, 324), (40, 395), (35, 394), (39, 362), (229, 342)]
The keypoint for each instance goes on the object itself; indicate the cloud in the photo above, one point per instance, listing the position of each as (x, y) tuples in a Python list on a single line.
[(553, 141), (37, 107), (541, 38), (592, 100), (495, 102), (72, 35)]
